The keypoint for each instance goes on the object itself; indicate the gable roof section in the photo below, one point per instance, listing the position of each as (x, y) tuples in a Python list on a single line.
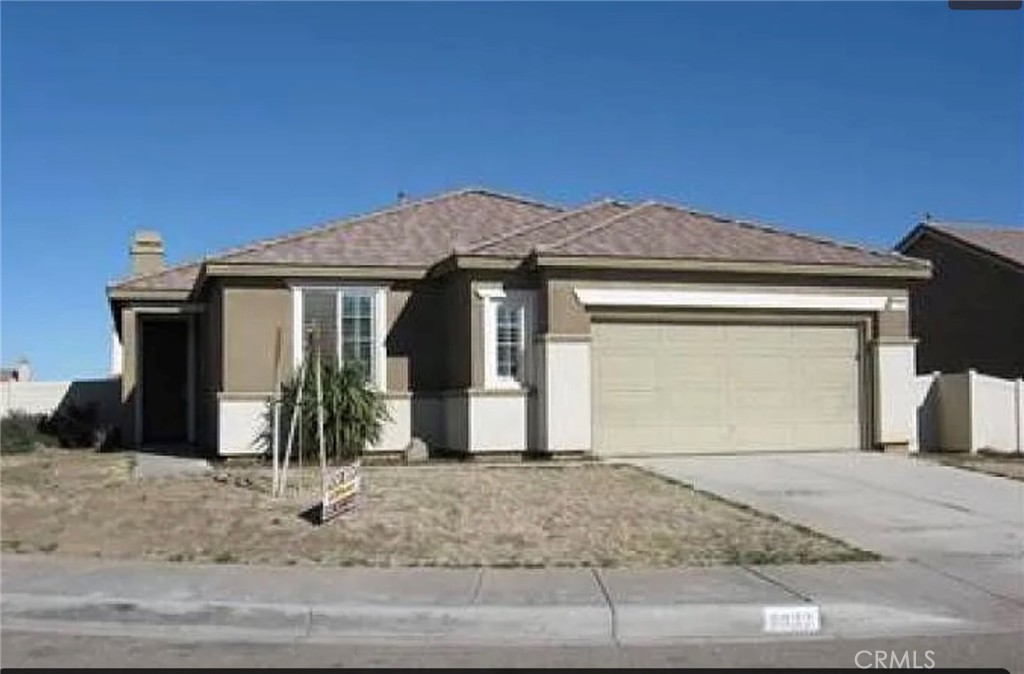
[(417, 234), (414, 234), (1006, 243), (663, 231)]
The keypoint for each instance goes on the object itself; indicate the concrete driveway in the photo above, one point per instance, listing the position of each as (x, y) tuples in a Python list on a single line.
[(960, 523)]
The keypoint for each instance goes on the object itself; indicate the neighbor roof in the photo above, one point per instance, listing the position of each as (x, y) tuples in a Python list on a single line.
[(478, 222), (1004, 242)]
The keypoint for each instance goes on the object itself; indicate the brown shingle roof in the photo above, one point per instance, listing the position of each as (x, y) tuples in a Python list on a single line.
[(654, 230), (179, 277), (1006, 242), (417, 234), (481, 222)]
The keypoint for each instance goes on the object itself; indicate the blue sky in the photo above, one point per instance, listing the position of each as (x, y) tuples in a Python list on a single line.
[(218, 124)]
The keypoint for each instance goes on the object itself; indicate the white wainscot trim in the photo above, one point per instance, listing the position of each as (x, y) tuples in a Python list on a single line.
[(397, 433), (729, 299), (497, 422), (564, 396), (895, 403), (239, 425)]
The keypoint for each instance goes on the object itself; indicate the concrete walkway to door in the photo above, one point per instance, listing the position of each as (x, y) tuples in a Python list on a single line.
[(960, 523)]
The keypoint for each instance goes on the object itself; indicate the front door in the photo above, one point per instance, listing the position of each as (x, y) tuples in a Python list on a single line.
[(164, 381)]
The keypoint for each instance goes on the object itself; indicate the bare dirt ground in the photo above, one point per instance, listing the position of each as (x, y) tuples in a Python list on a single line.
[(1003, 465), (86, 504)]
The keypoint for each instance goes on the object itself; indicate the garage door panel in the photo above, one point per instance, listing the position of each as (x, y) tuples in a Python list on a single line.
[(663, 387), (764, 437)]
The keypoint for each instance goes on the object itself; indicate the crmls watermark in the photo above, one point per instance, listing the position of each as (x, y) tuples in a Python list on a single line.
[(895, 659)]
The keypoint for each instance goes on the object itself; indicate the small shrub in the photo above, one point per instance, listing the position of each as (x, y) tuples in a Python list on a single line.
[(354, 413), (73, 425), (20, 432), (79, 426)]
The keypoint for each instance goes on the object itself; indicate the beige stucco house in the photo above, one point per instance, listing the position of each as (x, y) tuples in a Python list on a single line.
[(496, 323), (970, 315)]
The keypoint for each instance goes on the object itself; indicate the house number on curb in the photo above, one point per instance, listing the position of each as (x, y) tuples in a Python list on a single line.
[(792, 619)]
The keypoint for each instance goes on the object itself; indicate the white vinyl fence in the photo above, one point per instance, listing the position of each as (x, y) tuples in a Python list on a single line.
[(970, 412), (43, 397)]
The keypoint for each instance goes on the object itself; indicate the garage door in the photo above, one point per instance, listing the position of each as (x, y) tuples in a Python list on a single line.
[(663, 388)]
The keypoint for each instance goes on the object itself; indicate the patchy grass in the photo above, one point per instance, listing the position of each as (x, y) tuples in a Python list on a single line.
[(1002, 465), (88, 504)]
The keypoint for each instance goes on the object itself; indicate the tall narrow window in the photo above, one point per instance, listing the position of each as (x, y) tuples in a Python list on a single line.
[(357, 339), (320, 321), (509, 325)]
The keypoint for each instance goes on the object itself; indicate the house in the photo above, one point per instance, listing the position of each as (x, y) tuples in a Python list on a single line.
[(971, 314), (496, 323), (21, 371)]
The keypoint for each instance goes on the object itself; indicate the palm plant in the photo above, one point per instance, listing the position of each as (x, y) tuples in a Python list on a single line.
[(354, 412)]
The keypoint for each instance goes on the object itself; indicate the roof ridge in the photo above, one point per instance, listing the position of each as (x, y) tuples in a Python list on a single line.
[(815, 238), (593, 228), (153, 274), (972, 226), (509, 197), (533, 225), (335, 223)]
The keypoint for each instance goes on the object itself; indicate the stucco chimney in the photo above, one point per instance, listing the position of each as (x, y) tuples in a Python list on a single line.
[(147, 252)]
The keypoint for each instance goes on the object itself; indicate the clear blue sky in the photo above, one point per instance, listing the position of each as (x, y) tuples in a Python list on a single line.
[(218, 124)]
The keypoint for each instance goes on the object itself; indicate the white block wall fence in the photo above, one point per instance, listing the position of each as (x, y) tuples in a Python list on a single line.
[(43, 397), (970, 412)]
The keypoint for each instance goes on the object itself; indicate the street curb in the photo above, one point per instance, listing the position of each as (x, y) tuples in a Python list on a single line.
[(635, 624)]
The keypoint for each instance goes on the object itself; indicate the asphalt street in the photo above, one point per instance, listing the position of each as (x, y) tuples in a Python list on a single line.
[(976, 650)]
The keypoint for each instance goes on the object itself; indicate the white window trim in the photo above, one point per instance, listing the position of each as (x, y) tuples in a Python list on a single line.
[(379, 293), (492, 297)]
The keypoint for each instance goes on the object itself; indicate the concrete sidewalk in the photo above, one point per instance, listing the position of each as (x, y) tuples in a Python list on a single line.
[(485, 606)]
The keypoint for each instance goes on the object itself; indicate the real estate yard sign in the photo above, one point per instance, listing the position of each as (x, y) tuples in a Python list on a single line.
[(341, 491)]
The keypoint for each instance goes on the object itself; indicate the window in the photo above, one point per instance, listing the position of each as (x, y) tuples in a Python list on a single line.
[(508, 333), (509, 340), (320, 321), (343, 322), (357, 331)]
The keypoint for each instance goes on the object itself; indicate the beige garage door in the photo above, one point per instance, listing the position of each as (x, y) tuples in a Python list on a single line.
[(662, 388)]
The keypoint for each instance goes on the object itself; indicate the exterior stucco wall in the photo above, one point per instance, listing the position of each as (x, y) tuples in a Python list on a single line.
[(129, 373), (417, 339), (971, 313), (458, 315), (253, 316), (211, 362)]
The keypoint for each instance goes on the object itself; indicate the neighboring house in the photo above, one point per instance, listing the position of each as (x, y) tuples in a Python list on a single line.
[(971, 314), (22, 371), (498, 323)]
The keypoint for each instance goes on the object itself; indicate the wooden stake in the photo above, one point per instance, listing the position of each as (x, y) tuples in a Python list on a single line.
[(276, 410), (320, 423), (291, 430)]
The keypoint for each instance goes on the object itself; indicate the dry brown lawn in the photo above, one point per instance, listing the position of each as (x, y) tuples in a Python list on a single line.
[(86, 504), (1002, 465)]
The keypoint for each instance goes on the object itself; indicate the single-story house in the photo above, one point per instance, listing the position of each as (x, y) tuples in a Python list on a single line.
[(495, 323), (971, 314)]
